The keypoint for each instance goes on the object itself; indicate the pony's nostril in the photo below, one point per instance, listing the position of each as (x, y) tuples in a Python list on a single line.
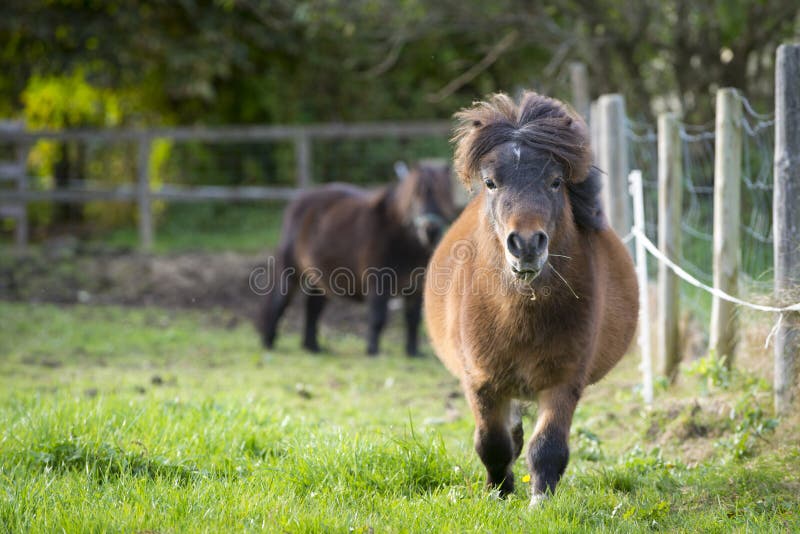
[(539, 242), (515, 244), (433, 233), (527, 248)]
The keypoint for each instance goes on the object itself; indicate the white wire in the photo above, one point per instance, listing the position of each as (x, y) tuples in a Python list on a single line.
[(753, 227), (749, 108), (653, 250)]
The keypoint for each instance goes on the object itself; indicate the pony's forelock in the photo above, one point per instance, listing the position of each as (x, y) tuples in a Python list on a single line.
[(541, 123), (537, 121)]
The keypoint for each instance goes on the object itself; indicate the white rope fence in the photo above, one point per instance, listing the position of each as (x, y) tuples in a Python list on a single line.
[(652, 249), (643, 244)]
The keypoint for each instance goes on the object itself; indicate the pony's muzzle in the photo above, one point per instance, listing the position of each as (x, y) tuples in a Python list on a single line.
[(430, 229), (433, 232), (527, 253)]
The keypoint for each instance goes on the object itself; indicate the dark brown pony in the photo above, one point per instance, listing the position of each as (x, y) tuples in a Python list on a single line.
[(530, 295), (365, 245)]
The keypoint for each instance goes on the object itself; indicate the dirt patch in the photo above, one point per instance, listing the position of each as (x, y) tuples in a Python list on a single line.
[(691, 426), (185, 280), (65, 273)]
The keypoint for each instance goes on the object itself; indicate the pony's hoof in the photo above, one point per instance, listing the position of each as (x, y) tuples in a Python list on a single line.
[(537, 499)]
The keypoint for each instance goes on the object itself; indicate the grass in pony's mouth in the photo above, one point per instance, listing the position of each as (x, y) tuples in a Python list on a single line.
[(526, 275)]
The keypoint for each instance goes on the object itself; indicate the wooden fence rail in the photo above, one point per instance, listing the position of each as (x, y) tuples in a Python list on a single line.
[(240, 134), (143, 193)]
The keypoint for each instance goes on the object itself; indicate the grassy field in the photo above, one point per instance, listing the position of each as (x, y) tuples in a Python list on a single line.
[(207, 226), (115, 419), (203, 226)]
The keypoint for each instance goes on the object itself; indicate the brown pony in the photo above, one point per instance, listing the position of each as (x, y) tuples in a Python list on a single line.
[(346, 241), (530, 295)]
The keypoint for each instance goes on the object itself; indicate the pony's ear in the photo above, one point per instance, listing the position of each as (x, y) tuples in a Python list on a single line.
[(401, 170), (380, 199)]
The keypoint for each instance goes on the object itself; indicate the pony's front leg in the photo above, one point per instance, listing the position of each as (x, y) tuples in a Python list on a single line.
[(378, 309), (493, 440), (413, 309), (548, 452)]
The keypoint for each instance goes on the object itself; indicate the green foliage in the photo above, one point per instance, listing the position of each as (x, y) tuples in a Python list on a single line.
[(713, 369), (68, 101), (749, 418), (588, 445), (750, 421), (70, 64)]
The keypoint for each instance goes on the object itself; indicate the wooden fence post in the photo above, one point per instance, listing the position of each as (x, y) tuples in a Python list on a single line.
[(594, 129), (613, 160), (143, 193), (302, 155), (21, 232), (579, 80), (786, 221), (670, 189), (727, 207), (16, 171)]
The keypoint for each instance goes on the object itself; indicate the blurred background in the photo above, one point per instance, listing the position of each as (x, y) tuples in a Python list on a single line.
[(141, 64), (160, 140)]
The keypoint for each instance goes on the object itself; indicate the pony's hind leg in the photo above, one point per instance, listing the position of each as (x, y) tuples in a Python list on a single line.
[(378, 310), (284, 283), (413, 309), (494, 441), (515, 425), (548, 452), (315, 303)]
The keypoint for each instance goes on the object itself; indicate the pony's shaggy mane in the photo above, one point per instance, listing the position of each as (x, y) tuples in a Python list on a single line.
[(541, 123)]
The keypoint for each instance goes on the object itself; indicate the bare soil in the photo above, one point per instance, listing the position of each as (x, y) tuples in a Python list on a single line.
[(67, 272)]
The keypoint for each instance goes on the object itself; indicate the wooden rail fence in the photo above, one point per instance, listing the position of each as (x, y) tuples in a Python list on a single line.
[(143, 193), (607, 123)]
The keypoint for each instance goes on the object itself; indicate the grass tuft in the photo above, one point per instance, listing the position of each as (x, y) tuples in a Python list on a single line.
[(104, 463)]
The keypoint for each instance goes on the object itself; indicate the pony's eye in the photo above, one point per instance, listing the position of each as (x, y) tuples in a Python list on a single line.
[(490, 183), (556, 184)]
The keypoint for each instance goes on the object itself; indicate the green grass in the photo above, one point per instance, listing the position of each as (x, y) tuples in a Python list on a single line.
[(246, 227), (207, 227), (116, 419)]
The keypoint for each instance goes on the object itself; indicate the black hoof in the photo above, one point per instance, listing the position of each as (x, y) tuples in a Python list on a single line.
[(505, 487), (312, 347)]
